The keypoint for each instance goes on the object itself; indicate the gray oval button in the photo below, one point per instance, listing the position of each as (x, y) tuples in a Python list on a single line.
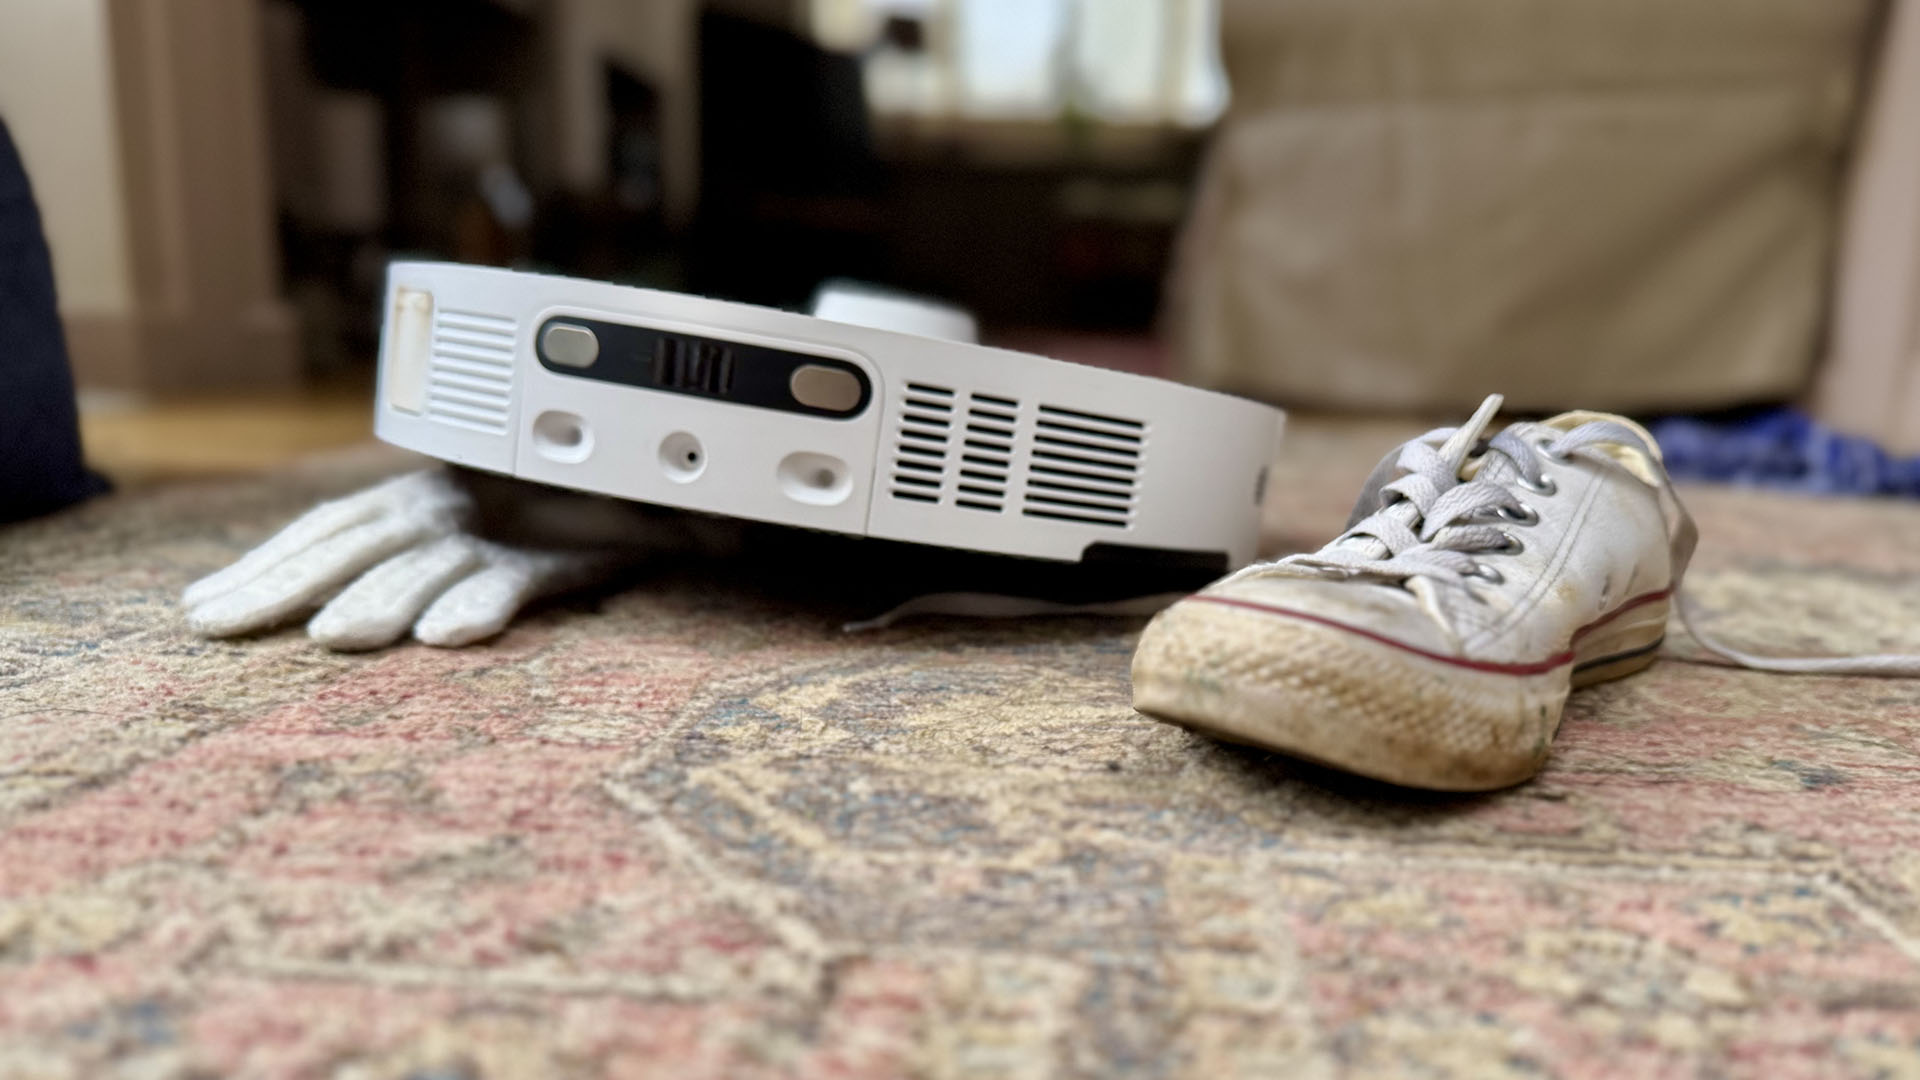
[(574, 346), (822, 387)]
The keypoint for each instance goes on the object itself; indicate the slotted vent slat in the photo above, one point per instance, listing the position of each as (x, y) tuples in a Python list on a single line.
[(1085, 467), (470, 375), (922, 443), (987, 452)]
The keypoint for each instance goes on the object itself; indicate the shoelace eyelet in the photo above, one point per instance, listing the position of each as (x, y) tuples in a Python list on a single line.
[(1525, 515), (1487, 574), (1546, 448), (1546, 486), (1509, 545)]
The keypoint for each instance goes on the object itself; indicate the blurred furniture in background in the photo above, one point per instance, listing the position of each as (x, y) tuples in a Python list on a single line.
[(241, 171), (142, 129), (1030, 160), (1618, 205), (507, 132), (1640, 206), (205, 161), (1870, 382)]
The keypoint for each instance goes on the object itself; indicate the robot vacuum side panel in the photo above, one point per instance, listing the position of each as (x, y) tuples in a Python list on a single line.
[(773, 416), (810, 467), (1042, 458), (449, 369)]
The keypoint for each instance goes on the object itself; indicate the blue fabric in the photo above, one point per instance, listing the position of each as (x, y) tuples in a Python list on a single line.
[(40, 469), (1785, 449)]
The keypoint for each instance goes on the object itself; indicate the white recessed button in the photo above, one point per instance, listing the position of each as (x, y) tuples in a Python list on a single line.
[(821, 387), (574, 346)]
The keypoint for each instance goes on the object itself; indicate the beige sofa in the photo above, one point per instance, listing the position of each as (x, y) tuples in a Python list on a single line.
[(1631, 204)]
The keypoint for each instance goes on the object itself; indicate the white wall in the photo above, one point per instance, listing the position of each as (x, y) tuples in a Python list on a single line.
[(56, 94)]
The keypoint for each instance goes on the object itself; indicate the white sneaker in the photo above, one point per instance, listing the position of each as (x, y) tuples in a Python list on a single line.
[(1434, 643)]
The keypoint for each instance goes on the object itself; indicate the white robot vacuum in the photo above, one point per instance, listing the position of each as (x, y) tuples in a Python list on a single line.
[(824, 423)]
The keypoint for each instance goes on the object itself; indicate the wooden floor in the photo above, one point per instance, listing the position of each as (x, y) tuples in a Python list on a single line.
[(138, 443)]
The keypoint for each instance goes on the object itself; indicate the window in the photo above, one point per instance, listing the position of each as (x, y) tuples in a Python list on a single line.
[(1151, 62)]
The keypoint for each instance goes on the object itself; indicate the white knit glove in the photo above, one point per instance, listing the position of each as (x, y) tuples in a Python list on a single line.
[(410, 552)]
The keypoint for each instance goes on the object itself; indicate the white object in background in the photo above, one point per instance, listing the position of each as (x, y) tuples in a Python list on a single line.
[(774, 416), (885, 309)]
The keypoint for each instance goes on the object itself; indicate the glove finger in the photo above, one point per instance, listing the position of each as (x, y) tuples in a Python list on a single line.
[(295, 584), (323, 521), (481, 605), (379, 606), (327, 519)]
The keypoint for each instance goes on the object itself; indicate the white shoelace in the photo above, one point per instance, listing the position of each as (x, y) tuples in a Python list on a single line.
[(1431, 523)]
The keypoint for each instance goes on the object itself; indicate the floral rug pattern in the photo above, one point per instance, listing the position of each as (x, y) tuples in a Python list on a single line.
[(691, 830)]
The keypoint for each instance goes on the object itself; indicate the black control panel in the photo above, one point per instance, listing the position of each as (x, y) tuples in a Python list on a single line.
[(678, 363)]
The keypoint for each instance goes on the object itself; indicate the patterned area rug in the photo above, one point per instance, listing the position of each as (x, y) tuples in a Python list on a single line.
[(696, 831)]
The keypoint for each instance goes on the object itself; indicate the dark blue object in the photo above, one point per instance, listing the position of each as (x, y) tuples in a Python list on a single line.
[(1785, 449), (40, 469)]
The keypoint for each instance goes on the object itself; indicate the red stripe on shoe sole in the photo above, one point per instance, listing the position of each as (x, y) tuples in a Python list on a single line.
[(1538, 667)]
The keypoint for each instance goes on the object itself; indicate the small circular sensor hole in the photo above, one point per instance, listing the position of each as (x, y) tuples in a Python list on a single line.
[(682, 458)]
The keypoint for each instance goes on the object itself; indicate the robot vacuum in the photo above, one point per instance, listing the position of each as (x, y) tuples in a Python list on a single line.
[(848, 423)]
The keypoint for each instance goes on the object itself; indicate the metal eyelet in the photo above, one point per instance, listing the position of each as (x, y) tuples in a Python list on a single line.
[(1525, 515), (1487, 574), (1509, 545), (1546, 449), (1546, 486)]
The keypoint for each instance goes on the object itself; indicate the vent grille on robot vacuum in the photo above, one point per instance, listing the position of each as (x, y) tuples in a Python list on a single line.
[(1084, 467), (986, 453), (920, 458), (983, 452), (470, 378)]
